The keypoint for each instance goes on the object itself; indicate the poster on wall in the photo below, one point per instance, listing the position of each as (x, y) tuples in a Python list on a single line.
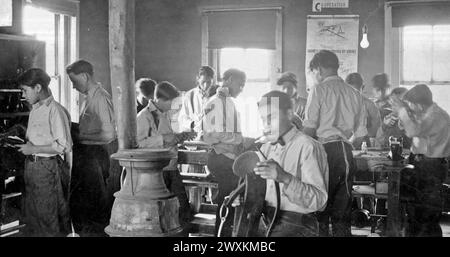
[(337, 33)]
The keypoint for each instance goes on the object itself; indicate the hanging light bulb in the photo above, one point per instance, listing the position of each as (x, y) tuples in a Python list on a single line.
[(364, 42)]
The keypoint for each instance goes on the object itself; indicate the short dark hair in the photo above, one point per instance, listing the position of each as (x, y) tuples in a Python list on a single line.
[(166, 91), (325, 59), (80, 66), (146, 86), (32, 77), (381, 81), (354, 79), (399, 91), (234, 73), (206, 71), (419, 94), (284, 100)]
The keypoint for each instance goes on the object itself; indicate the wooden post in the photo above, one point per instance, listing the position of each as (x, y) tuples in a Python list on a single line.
[(122, 54)]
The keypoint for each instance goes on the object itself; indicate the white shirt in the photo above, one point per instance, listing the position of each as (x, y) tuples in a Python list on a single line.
[(305, 159), (97, 118), (431, 134), (221, 124), (335, 110), (49, 124), (192, 110), (150, 134)]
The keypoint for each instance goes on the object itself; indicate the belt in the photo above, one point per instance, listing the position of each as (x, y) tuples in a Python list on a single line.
[(35, 158), (421, 157), (287, 216)]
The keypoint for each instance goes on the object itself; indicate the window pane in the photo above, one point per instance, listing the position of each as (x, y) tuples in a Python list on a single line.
[(254, 62), (441, 53), (41, 23), (417, 53)]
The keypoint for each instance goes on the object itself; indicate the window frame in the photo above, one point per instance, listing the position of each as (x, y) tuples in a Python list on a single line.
[(63, 21), (401, 67)]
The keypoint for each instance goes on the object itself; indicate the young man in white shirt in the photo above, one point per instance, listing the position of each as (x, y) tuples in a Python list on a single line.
[(221, 129), (334, 113), (298, 164), (155, 131), (429, 127), (194, 100), (46, 175)]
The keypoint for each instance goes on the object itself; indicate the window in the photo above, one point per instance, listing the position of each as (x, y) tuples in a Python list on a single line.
[(425, 54), (59, 33), (256, 63), (425, 58)]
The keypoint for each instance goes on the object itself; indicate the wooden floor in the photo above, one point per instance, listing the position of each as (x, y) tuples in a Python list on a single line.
[(365, 232)]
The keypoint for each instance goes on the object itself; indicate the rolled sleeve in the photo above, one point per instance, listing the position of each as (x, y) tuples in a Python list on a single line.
[(60, 130)]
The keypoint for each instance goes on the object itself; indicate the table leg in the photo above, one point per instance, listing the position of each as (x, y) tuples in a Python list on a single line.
[(394, 214)]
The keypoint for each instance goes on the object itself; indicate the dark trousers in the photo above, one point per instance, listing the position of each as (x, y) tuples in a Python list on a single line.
[(425, 210), (221, 168), (89, 198), (341, 169), (46, 210), (174, 183), (290, 224), (114, 172)]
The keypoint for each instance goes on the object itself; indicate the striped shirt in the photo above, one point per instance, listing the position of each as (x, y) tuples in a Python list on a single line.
[(221, 124)]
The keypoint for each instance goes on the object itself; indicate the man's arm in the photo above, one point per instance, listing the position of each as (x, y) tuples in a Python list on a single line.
[(308, 187), (144, 139), (312, 113)]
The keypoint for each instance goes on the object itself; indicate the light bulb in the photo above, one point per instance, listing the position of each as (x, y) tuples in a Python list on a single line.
[(364, 42)]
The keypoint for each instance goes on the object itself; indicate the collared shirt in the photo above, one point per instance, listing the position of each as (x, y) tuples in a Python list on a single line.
[(431, 134), (49, 124), (151, 125), (373, 117), (298, 104), (335, 110), (97, 118), (305, 159), (221, 124), (194, 102)]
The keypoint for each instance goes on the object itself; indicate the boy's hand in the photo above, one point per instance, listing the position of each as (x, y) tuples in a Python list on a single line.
[(169, 139), (27, 149), (272, 170)]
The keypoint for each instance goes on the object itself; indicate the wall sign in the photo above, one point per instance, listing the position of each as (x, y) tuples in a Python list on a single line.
[(337, 33), (318, 5)]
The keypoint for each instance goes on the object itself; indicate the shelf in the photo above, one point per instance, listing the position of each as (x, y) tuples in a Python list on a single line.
[(10, 91), (7, 196), (14, 114)]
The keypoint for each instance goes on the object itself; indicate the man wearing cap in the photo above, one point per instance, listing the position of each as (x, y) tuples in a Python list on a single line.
[(288, 83), (428, 125)]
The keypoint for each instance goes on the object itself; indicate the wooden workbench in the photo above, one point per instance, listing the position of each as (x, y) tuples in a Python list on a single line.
[(377, 161)]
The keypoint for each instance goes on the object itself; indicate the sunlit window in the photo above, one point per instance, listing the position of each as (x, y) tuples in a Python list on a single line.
[(58, 31), (426, 59), (426, 56), (256, 63)]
